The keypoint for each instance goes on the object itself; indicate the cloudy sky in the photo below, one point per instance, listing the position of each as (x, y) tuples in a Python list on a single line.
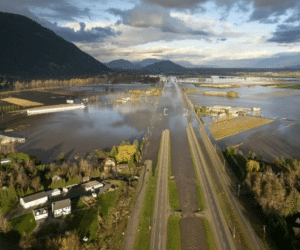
[(208, 32)]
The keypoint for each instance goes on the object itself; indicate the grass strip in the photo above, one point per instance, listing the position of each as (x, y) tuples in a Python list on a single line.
[(200, 195), (143, 238), (208, 235), (172, 186), (174, 242)]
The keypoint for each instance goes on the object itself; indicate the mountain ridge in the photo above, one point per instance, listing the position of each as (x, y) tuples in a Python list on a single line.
[(31, 50)]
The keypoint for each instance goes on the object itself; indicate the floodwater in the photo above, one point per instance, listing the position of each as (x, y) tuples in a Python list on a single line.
[(276, 139), (98, 126)]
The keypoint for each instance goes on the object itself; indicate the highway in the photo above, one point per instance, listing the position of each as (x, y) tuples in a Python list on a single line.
[(222, 181), (161, 209), (220, 230), (217, 170)]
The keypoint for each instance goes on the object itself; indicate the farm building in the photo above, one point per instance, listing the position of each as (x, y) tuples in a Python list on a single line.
[(62, 207), (8, 139), (34, 199), (5, 161), (54, 108), (92, 185), (40, 213)]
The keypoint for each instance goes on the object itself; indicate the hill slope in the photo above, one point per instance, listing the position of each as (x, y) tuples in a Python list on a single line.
[(164, 67), (121, 64), (30, 50), (147, 62)]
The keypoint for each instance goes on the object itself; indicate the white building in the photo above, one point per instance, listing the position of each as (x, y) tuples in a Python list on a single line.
[(5, 161), (92, 185), (54, 192), (256, 109), (34, 199), (62, 207), (40, 213)]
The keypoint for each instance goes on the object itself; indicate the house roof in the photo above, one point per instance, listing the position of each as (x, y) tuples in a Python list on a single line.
[(40, 211), (61, 204), (34, 197)]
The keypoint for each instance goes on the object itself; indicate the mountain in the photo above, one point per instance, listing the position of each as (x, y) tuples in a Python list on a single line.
[(30, 50), (293, 67), (122, 64), (164, 67), (147, 62)]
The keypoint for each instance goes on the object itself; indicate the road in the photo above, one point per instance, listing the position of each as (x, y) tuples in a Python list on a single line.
[(161, 209), (133, 223), (222, 180), (217, 169), (213, 211)]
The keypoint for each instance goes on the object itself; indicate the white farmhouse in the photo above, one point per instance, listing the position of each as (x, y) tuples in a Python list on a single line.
[(62, 207), (92, 185), (40, 213), (34, 199)]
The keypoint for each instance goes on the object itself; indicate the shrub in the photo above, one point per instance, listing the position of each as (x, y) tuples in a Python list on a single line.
[(252, 166), (125, 153)]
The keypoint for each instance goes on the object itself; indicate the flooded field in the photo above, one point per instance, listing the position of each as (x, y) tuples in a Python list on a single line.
[(279, 138), (98, 126)]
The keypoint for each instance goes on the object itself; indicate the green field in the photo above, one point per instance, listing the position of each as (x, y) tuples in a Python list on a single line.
[(174, 242), (107, 202), (24, 224)]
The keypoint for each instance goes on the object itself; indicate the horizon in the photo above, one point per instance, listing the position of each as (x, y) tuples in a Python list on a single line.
[(245, 33)]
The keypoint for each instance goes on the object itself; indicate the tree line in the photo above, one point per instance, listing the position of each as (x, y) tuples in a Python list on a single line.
[(274, 187)]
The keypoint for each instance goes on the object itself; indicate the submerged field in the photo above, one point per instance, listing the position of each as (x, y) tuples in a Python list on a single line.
[(223, 129)]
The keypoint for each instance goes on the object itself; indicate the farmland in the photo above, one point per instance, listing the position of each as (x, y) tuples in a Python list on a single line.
[(223, 129), (22, 102)]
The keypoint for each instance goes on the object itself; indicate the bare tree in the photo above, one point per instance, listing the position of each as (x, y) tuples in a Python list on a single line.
[(4, 224), (86, 168), (27, 241), (70, 242), (30, 166), (22, 179), (74, 170), (36, 182)]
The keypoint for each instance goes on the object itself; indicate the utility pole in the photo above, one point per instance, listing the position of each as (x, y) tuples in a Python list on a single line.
[(264, 227), (234, 232)]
